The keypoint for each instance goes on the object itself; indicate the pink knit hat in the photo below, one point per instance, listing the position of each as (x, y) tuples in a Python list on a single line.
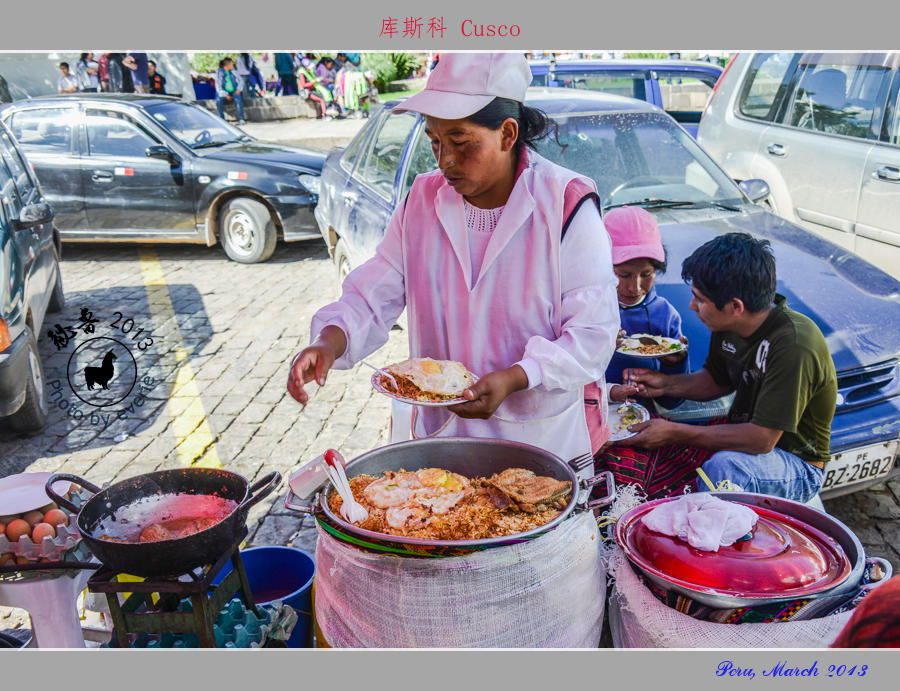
[(634, 234)]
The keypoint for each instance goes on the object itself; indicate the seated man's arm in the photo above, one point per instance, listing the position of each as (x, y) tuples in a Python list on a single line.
[(696, 386), (744, 437)]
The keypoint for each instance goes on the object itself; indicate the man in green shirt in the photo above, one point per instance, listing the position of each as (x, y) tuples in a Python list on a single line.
[(776, 440)]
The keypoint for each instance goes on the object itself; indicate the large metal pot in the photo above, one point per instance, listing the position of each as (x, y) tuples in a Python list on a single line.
[(469, 457), (138, 499), (801, 553)]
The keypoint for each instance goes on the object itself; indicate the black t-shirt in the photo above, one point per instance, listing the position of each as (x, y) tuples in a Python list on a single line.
[(783, 377)]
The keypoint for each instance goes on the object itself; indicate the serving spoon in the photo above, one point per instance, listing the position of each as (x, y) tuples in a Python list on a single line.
[(351, 509)]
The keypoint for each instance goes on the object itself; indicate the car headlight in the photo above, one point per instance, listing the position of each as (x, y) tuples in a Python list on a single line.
[(687, 411), (310, 182)]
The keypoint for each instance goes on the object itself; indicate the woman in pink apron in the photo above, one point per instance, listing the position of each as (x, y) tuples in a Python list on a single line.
[(499, 262)]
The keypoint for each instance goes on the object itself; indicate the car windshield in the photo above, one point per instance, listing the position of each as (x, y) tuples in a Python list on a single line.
[(641, 158), (196, 127)]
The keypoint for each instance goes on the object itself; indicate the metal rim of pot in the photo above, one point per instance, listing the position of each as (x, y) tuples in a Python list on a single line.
[(175, 556), (512, 455), (818, 520)]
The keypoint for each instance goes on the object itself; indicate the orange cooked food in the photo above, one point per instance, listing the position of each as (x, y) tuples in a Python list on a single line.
[(437, 504)]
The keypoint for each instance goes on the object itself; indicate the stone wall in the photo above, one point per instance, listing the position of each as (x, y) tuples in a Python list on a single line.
[(268, 108)]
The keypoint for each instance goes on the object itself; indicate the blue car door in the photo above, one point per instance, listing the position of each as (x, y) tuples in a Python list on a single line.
[(372, 193)]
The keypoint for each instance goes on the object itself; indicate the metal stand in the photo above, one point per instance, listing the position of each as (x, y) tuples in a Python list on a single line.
[(151, 606)]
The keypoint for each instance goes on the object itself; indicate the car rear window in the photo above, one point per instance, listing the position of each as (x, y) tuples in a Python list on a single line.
[(382, 160), (684, 92), (837, 93), (763, 85), (629, 83), (44, 129)]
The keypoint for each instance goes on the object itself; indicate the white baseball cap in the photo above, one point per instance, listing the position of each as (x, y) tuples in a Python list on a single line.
[(464, 83)]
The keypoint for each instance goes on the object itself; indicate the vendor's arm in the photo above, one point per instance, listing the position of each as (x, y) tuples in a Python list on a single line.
[(744, 437), (590, 311)]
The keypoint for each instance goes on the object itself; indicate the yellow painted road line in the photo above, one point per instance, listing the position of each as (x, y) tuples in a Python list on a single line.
[(195, 442)]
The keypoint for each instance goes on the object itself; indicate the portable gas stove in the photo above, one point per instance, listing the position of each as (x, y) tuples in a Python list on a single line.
[(153, 604)]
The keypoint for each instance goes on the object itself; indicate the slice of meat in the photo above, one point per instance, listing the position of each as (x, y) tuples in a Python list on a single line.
[(155, 532), (395, 490), (526, 488)]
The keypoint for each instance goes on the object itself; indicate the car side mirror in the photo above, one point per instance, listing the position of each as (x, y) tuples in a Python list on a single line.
[(755, 189), (163, 152), (34, 215)]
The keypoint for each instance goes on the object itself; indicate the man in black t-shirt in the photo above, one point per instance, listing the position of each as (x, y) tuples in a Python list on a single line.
[(776, 362)]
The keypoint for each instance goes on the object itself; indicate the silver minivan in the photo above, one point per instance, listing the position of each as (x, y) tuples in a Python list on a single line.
[(823, 130)]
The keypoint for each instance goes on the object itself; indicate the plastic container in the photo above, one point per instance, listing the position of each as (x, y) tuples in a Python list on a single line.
[(285, 574)]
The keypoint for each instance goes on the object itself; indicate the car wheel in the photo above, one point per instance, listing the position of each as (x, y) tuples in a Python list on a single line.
[(57, 296), (247, 231), (32, 416), (341, 262)]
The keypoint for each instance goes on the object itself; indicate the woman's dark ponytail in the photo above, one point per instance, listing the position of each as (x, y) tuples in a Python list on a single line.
[(534, 124)]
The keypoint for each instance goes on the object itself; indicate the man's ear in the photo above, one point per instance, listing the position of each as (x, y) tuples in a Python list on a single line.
[(737, 307)]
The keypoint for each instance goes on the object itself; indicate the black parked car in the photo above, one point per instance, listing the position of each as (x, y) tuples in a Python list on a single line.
[(120, 167), (30, 286)]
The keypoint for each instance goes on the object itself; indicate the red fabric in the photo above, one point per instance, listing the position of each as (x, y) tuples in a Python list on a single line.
[(875, 622)]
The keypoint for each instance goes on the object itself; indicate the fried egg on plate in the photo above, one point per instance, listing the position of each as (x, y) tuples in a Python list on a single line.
[(443, 377)]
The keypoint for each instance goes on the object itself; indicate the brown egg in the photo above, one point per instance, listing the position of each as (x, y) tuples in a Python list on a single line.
[(34, 517), (22, 560), (7, 558), (7, 519), (17, 529), (2, 529), (48, 507), (56, 517), (42, 530)]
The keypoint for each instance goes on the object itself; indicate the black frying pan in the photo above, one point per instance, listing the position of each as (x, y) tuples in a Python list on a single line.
[(118, 507)]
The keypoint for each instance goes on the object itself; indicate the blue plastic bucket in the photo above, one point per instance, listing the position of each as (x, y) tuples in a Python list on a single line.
[(281, 573)]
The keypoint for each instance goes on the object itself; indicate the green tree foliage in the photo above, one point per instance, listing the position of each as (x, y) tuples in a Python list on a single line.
[(389, 67)]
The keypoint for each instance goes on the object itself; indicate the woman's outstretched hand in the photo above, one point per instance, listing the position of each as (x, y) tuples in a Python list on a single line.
[(315, 361), (486, 395)]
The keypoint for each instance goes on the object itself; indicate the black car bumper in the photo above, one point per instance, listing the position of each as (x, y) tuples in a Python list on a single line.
[(296, 216), (14, 374)]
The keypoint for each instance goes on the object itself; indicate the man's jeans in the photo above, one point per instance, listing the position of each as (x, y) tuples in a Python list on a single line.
[(777, 473), (238, 103)]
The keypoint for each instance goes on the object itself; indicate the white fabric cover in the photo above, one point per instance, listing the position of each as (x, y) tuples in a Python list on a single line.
[(703, 521), (638, 620), (549, 592)]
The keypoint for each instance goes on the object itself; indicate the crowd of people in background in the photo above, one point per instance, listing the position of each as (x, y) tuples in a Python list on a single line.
[(113, 73), (336, 85)]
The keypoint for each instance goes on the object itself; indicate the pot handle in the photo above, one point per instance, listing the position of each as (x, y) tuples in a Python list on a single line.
[(263, 488), (290, 503), (65, 503), (607, 478)]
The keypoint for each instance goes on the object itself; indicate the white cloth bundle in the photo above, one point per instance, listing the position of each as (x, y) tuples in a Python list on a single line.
[(703, 521)]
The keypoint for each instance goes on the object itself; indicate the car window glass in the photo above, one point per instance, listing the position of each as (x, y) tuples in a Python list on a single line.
[(421, 160), (351, 153), (9, 196), (193, 125), (894, 118), (759, 97), (681, 92), (379, 167), (633, 156), (111, 133), (44, 129), (17, 168), (622, 82), (836, 94)]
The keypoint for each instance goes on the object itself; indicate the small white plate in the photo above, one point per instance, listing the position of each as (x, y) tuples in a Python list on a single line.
[(25, 492), (615, 419), (662, 339), (376, 384)]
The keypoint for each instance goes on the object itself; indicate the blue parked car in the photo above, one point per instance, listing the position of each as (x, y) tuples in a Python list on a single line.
[(639, 155), (679, 87)]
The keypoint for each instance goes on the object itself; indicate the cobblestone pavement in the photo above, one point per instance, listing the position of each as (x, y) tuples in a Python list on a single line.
[(210, 388)]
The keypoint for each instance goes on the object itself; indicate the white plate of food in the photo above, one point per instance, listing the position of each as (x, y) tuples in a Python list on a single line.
[(650, 346), (622, 416), (425, 382)]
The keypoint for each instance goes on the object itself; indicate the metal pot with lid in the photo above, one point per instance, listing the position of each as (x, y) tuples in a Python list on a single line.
[(794, 552)]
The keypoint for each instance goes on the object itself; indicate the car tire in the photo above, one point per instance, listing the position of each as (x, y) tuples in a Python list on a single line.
[(32, 416), (247, 231), (57, 296), (341, 263)]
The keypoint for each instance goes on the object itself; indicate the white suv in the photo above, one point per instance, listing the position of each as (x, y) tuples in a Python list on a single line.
[(823, 130)]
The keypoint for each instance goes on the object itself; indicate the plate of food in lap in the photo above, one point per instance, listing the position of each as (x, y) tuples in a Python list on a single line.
[(649, 346), (423, 381), (622, 416)]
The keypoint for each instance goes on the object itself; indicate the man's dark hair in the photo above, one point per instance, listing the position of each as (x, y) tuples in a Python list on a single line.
[(64, 64), (734, 265), (150, 62), (227, 59)]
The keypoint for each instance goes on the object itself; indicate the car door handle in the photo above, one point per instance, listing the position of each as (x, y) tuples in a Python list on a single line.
[(776, 149), (102, 176), (888, 173)]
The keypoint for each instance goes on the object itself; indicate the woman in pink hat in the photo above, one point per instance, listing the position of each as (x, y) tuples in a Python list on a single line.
[(499, 261), (638, 256)]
